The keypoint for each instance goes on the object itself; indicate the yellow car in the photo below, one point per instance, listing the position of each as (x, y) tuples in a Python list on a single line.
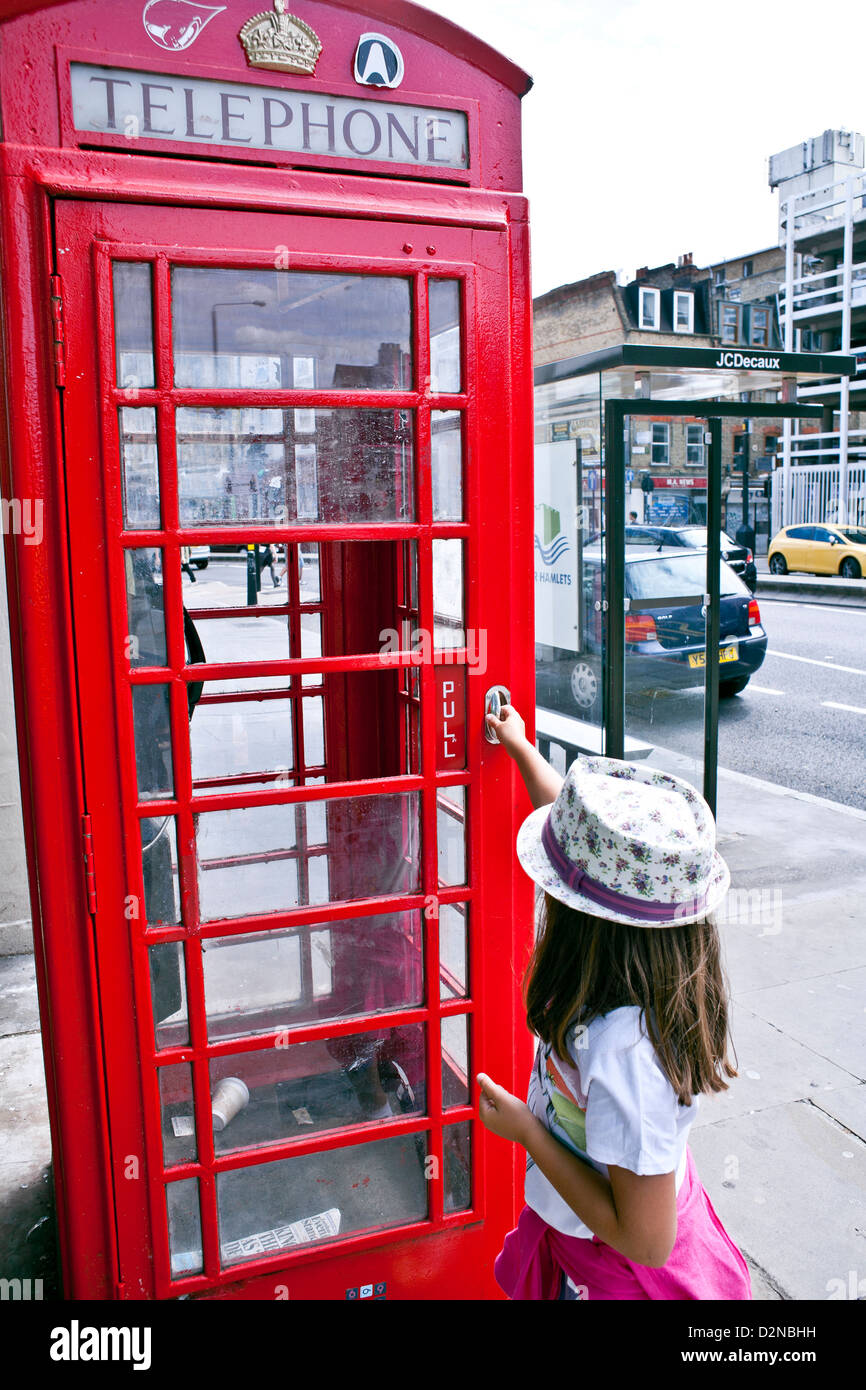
[(819, 550)]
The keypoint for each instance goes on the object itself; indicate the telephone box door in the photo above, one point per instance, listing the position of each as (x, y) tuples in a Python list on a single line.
[(287, 442)]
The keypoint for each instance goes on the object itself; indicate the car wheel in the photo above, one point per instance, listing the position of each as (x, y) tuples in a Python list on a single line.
[(728, 688), (849, 568), (585, 687), (778, 564), (199, 564)]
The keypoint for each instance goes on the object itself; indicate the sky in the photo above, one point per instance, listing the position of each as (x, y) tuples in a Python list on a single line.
[(650, 123)]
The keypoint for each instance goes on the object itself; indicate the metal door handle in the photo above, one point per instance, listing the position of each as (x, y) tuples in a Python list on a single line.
[(496, 697)]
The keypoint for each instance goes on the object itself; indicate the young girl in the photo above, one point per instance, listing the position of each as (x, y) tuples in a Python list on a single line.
[(626, 995)]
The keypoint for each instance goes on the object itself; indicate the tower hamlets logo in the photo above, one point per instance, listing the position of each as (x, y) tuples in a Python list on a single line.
[(176, 24), (553, 542)]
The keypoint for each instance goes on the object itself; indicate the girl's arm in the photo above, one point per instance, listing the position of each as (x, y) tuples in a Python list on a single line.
[(636, 1215), (541, 781)]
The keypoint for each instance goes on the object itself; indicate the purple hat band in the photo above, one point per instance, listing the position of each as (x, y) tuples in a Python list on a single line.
[(579, 881)]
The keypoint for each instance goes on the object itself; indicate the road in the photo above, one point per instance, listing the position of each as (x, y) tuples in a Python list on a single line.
[(801, 721)]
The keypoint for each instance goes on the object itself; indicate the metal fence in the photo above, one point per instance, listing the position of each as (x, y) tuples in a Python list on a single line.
[(814, 495)]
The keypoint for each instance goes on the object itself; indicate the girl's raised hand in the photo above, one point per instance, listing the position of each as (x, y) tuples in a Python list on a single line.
[(502, 1113), (510, 730)]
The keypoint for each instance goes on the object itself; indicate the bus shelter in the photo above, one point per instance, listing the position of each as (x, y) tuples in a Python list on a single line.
[(642, 456)]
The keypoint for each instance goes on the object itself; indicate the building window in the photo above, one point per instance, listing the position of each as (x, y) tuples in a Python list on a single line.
[(719, 276), (649, 314), (661, 445), (695, 447), (771, 444), (748, 269), (684, 312), (759, 335), (729, 323)]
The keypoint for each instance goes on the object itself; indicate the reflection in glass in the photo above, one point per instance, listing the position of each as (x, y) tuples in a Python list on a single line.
[(297, 1202), (457, 1148), (259, 859), (152, 725), (184, 1227), (237, 740), (168, 994), (159, 863), (277, 329), (139, 467), (178, 1118), (455, 1060), (451, 833), (446, 448), (452, 950), (247, 465), (133, 323), (305, 1088), (264, 981), (146, 641), (444, 299), (448, 594)]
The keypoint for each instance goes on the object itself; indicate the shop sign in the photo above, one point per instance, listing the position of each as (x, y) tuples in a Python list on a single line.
[(167, 108), (679, 482)]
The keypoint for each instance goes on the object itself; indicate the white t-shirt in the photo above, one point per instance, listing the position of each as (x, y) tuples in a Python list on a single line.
[(611, 1103)]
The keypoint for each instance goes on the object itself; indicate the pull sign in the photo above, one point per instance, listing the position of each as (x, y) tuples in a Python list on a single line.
[(59, 333), (89, 866), (450, 718)]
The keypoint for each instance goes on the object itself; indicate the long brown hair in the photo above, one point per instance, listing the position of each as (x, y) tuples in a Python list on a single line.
[(585, 966)]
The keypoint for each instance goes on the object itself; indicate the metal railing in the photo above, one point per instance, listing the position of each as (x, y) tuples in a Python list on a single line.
[(814, 492)]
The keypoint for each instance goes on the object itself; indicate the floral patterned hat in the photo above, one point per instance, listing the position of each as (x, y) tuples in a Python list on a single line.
[(627, 843)]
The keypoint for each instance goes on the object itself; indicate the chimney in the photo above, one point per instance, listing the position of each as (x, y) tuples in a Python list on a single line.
[(642, 273), (685, 259)]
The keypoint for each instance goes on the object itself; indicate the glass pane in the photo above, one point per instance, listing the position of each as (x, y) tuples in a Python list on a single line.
[(178, 1117), (448, 594), (277, 328), (294, 1091), (145, 643), (265, 981), (452, 950), (457, 1148), (455, 1060), (329, 625), (237, 466), (444, 299), (152, 725), (184, 1227), (159, 866), (139, 469), (301, 1201), (133, 324), (446, 449), (168, 994), (242, 743), (451, 832), (262, 859)]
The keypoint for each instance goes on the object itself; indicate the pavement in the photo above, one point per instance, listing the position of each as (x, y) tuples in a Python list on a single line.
[(782, 1152)]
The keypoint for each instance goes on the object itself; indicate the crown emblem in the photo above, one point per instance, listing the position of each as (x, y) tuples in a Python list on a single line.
[(280, 41)]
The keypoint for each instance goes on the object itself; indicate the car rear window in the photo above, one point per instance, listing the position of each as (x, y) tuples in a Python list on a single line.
[(675, 576)]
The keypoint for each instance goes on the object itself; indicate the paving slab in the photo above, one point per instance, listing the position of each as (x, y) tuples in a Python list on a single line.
[(847, 1105), (773, 1068), (789, 1184), (826, 1013), (775, 936), (20, 1011)]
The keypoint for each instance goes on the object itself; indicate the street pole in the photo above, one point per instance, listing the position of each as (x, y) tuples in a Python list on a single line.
[(252, 577)]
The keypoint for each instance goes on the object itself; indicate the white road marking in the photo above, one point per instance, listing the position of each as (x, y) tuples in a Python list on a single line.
[(764, 689), (818, 607), (852, 709), (811, 661)]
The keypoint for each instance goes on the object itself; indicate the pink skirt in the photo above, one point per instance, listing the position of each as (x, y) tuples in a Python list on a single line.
[(704, 1263)]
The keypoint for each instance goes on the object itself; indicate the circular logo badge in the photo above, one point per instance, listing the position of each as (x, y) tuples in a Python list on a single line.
[(378, 62)]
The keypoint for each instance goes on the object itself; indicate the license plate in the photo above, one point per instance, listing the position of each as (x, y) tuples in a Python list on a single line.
[(725, 654)]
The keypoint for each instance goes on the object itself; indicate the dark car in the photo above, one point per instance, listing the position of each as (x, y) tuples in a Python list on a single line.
[(664, 637), (739, 557)]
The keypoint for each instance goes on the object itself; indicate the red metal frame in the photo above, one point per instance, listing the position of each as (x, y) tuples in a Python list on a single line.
[(73, 686)]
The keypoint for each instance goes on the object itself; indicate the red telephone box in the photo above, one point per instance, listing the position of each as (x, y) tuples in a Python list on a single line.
[(267, 380)]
